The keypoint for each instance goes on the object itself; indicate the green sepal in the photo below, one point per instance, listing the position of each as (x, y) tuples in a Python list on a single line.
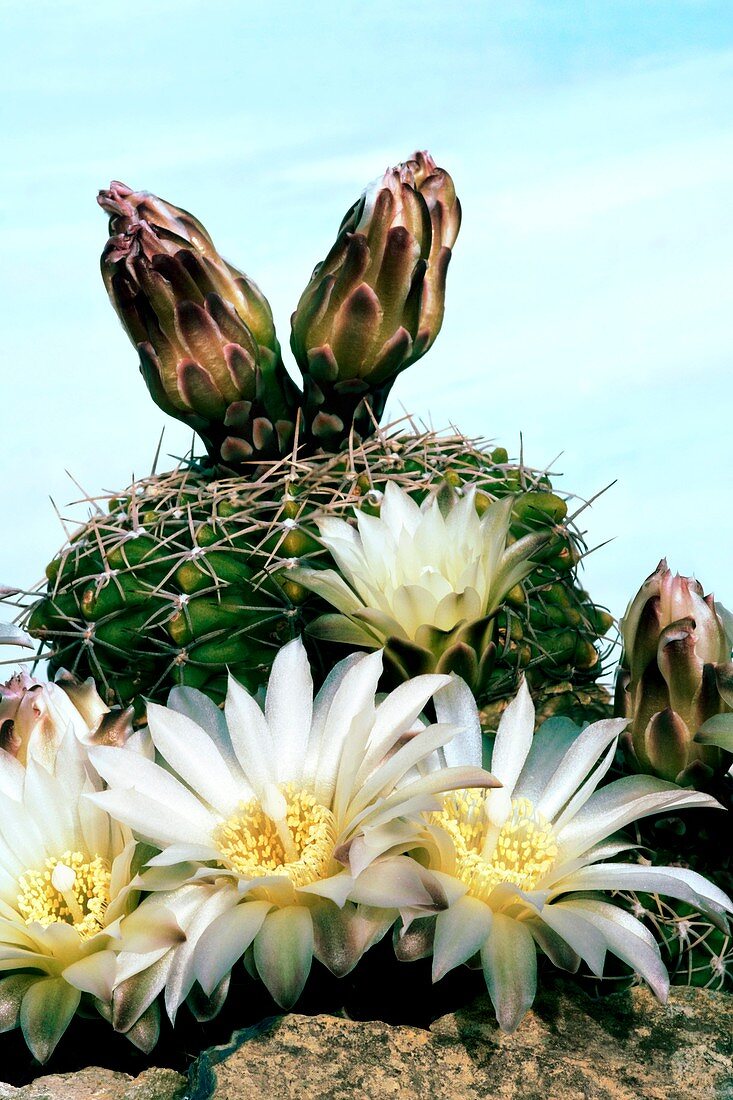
[(47, 1009)]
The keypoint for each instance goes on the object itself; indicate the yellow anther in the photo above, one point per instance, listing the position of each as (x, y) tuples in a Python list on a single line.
[(73, 888), (520, 853), (299, 845)]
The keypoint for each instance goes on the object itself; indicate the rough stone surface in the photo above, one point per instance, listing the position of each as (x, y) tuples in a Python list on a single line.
[(101, 1084), (623, 1047)]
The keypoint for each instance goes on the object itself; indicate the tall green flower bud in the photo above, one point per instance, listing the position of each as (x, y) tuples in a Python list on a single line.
[(675, 680), (204, 331), (375, 304)]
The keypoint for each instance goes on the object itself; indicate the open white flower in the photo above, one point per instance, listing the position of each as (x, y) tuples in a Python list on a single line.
[(65, 892), (294, 815), (523, 865), (422, 580)]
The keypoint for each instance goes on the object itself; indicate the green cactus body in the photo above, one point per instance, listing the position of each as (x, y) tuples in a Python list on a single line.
[(694, 951), (187, 574)]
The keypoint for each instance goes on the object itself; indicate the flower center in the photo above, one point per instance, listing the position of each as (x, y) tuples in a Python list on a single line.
[(72, 889), (300, 844), (519, 852)]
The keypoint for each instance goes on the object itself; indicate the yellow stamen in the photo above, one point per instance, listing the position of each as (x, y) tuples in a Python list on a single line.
[(300, 844), (73, 889), (519, 852)]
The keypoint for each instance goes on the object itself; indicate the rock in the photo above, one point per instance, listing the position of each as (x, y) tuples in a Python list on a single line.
[(622, 1047), (101, 1084)]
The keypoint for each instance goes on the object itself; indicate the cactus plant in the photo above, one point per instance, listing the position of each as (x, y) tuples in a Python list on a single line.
[(188, 573), (184, 575)]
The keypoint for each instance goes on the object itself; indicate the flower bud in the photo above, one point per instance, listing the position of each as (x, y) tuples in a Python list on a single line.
[(35, 716), (203, 330), (673, 675), (375, 304)]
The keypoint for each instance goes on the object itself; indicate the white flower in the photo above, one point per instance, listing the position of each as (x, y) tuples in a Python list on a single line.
[(415, 574), (523, 865), (65, 878), (283, 823)]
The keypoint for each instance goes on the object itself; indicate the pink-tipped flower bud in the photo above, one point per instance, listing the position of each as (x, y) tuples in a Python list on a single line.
[(203, 331), (375, 304), (673, 678), (35, 716)]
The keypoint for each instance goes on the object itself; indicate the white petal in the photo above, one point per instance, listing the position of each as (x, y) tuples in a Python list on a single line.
[(183, 853), (379, 548), (141, 743), (141, 978), (378, 820), (577, 762), (322, 705), (71, 765), (12, 776), (125, 770), (387, 775), (460, 932), (283, 953), (455, 703), (414, 606), (513, 738), (399, 511), (342, 936), (586, 940), (396, 715), (381, 623), (150, 927), (329, 585), (628, 938), (397, 836), (213, 902), (554, 946), (621, 802), (674, 882), (13, 932), (22, 836), (225, 941), (453, 888), (154, 822), (336, 888), (344, 543), (331, 529), (51, 808), (289, 709), (251, 737), (339, 628), (549, 745), (584, 792), (509, 959), (349, 717), (192, 754), (95, 974), (437, 782), (398, 883), (95, 826), (205, 713)]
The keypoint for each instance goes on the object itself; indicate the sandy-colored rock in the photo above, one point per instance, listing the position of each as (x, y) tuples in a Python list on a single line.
[(101, 1084), (624, 1047)]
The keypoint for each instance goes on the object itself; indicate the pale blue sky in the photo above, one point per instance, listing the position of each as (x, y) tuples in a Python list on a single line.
[(590, 301)]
